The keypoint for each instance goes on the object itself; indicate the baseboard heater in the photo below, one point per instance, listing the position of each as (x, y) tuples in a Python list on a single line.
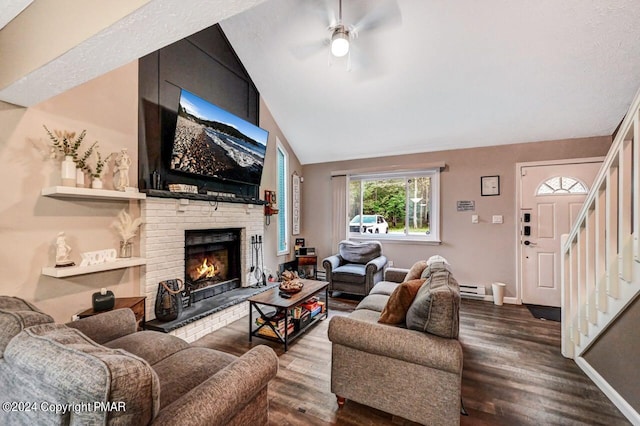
[(472, 291)]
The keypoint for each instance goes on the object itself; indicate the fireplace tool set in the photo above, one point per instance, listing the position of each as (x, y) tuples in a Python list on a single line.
[(257, 260)]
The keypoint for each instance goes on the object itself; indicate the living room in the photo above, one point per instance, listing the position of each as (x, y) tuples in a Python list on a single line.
[(108, 107)]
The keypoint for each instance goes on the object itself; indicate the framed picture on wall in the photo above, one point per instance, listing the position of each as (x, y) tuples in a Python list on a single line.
[(490, 185)]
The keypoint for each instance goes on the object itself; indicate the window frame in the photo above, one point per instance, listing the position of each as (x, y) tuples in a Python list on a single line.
[(558, 191), (434, 173), (282, 199)]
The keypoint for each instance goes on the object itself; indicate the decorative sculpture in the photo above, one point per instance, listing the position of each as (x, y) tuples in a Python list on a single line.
[(121, 172), (62, 252)]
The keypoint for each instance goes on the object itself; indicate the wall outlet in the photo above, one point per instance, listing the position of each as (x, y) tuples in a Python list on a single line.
[(390, 263), (497, 218), (474, 218)]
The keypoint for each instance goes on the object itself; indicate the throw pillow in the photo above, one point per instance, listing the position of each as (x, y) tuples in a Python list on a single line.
[(416, 270), (436, 258), (435, 309), (434, 267), (426, 273), (396, 308), (359, 252)]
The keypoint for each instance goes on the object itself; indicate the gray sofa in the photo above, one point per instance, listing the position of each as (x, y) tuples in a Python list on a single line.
[(356, 268), (411, 373), (100, 370)]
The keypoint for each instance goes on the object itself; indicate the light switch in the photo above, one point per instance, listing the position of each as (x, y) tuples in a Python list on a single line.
[(497, 218), (474, 218)]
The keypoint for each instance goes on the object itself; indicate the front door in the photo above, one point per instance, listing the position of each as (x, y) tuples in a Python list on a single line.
[(550, 199)]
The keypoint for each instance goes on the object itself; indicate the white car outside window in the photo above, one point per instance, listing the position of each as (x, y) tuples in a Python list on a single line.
[(370, 223)]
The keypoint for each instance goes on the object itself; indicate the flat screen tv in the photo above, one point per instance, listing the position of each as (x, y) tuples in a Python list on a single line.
[(213, 143)]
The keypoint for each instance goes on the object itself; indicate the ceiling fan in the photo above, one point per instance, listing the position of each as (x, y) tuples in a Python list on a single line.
[(366, 19), (340, 36)]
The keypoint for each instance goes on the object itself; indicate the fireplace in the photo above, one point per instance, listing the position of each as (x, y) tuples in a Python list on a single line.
[(212, 262)]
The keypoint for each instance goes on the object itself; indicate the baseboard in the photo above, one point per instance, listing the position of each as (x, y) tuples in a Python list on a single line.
[(627, 410), (507, 300)]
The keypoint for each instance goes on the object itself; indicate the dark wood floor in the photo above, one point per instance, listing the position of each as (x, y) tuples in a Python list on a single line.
[(513, 374)]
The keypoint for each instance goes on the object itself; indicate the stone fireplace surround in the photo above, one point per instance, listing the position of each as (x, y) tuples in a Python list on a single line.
[(162, 244)]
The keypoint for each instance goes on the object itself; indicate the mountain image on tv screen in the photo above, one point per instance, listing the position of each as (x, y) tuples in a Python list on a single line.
[(212, 142)]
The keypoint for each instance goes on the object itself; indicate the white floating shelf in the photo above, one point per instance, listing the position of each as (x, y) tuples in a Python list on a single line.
[(103, 194), (70, 271)]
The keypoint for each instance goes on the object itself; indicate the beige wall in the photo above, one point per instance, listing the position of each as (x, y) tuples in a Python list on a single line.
[(49, 28), (271, 260), (107, 108), (480, 253)]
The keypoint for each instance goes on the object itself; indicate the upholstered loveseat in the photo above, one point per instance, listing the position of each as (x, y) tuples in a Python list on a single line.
[(412, 373), (100, 370), (356, 268)]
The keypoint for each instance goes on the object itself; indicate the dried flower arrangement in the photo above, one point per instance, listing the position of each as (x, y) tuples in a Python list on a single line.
[(81, 161), (126, 226), (64, 143), (100, 163)]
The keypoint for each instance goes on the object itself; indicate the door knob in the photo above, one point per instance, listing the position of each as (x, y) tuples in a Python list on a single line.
[(529, 243)]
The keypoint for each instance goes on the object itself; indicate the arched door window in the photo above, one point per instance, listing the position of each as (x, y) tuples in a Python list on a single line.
[(562, 185)]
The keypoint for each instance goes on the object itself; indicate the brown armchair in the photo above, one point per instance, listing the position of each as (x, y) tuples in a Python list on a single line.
[(356, 268)]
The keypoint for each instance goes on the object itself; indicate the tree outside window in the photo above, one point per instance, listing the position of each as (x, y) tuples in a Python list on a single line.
[(399, 206)]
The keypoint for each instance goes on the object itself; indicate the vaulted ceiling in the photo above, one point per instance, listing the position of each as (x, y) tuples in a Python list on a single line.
[(439, 75), (446, 74)]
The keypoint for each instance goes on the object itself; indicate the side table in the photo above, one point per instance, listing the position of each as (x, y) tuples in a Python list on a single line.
[(136, 304), (307, 265)]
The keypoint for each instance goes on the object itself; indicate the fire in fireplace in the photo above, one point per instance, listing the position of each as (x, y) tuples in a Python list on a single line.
[(207, 268), (212, 262)]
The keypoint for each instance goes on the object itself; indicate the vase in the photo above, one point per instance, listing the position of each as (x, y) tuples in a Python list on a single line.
[(68, 171), (79, 178), (125, 248), (96, 183)]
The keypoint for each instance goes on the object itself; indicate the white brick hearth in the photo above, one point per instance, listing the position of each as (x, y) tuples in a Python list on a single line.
[(162, 244)]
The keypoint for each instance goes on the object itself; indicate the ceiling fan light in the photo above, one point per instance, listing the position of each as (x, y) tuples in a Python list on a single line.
[(339, 43)]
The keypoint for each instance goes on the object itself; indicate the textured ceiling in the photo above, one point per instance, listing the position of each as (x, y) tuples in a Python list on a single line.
[(448, 74), (153, 26), (443, 75), (10, 9)]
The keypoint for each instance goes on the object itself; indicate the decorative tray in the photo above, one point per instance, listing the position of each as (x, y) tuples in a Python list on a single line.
[(291, 287)]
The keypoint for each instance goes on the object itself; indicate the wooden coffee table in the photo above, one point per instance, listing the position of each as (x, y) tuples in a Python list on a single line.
[(283, 305)]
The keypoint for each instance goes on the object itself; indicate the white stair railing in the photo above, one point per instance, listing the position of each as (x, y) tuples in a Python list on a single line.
[(601, 254)]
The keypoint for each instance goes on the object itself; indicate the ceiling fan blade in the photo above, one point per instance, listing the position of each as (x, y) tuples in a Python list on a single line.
[(385, 15), (364, 62), (304, 51), (324, 10)]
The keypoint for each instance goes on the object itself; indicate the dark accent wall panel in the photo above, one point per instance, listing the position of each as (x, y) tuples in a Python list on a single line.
[(148, 118), (209, 41), (615, 355), (205, 65)]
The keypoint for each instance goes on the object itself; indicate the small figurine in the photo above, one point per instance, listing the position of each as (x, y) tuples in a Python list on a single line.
[(121, 172), (62, 252)]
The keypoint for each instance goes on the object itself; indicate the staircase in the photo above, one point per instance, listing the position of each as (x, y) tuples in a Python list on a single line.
[(601, 255)]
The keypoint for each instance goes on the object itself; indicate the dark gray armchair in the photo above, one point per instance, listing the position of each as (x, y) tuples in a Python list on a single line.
[(356, 268)]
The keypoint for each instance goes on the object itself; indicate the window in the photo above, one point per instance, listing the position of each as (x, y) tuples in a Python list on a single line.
[(395, 205), (562, 185), (283, 212)]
